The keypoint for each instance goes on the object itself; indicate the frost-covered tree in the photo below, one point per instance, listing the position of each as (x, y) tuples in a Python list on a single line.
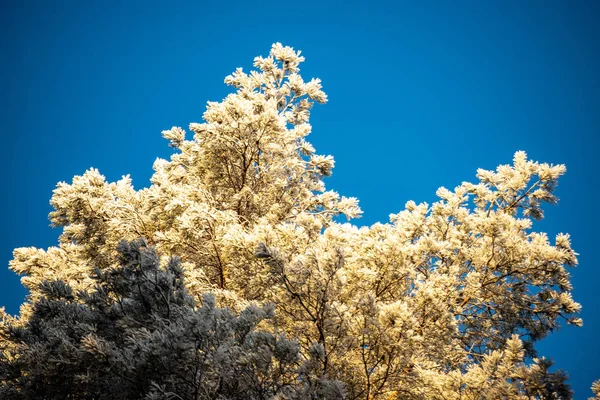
[(139, 334), (445, 301)]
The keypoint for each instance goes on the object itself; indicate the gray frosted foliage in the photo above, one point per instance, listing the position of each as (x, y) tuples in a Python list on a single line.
[(139, 335)]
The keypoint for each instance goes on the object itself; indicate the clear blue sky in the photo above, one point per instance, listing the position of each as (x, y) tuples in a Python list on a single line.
[(421, 95)]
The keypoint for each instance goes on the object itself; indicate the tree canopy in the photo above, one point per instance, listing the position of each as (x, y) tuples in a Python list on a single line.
[(444, 301), (140, 334)]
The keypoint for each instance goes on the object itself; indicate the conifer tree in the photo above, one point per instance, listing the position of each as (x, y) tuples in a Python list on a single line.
[(444, 301), (139, 334)]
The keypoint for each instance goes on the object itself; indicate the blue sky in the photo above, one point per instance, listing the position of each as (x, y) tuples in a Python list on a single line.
[(421, 95)]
